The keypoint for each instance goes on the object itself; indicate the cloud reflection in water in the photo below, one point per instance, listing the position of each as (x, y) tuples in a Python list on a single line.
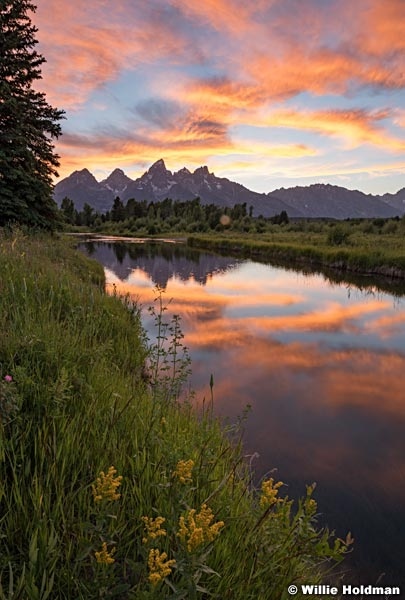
[(324, 371)]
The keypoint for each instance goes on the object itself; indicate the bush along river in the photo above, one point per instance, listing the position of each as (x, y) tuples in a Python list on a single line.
[(320, 363)]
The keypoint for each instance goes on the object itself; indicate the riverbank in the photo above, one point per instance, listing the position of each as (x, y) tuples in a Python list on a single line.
[(363, 247), (380, 255), (109, 485)]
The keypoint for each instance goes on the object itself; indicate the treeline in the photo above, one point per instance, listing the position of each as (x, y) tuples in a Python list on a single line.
[(143, 217)]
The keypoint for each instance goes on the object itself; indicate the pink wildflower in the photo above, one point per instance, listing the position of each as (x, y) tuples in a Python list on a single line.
[(8, 378)]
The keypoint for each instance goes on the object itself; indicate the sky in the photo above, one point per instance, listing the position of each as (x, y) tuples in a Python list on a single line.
[(268, 93)]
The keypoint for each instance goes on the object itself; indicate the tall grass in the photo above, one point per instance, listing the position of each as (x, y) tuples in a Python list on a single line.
[(109, 486), (360, 253)]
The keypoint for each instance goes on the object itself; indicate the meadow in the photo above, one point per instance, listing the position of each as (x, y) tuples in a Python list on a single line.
[(111, 484), (371, 247)]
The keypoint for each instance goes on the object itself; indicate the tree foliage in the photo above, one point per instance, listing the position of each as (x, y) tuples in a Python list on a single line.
[(27, 123), (169, 216)]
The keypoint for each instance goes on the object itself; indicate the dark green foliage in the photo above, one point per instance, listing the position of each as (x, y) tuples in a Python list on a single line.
[(89, 215), (169, 216), (338, 235), (281, 218), (118, 210), (68, 211), (27, 124)]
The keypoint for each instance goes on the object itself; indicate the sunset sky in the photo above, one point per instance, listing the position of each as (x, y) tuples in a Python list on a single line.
[(269, 93)]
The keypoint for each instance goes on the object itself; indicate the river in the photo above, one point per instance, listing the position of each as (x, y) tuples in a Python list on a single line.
[(321, 366)]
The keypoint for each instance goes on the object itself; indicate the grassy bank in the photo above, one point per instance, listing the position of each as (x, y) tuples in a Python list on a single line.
[(337, 246), (109, 487)]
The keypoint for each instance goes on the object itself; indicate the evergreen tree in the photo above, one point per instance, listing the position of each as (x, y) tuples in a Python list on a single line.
[(88, 215), (27, 124), (68, 210), (118, 210)]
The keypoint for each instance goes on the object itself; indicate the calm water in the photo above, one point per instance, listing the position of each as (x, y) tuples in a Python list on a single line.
[(322, 365)]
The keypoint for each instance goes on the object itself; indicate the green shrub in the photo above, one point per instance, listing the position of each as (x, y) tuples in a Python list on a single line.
[(338, 235), (390, 227)]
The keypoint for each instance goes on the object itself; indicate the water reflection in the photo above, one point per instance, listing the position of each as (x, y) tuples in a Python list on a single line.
[(160, 262), (323, 369)]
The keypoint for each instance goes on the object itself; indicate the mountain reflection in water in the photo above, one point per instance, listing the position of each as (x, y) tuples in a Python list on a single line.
[(323, 367), (161, 262)]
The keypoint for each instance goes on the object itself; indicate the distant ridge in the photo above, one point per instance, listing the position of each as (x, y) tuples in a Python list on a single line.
[(332, 201), (158, 183)]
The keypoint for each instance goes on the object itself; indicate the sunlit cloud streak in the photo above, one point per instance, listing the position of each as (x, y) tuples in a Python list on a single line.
[(355, 126), (196, 144)]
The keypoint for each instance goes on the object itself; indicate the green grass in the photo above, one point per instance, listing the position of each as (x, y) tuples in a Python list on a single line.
[(340, 246), (80, 402)]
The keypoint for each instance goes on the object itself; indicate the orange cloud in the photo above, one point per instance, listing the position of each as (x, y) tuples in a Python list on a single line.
[(224, 94), (335, 49), (86, 46), (382, 32), (294, 72), (356, 126), (231, 16)]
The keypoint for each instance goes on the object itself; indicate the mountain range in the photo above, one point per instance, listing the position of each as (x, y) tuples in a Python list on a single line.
[(158, 183)]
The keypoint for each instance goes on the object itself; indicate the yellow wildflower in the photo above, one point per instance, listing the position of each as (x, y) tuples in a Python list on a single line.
[(153, 528), (310, 504), (269, 493), (159, 567), (196, 529), (183, 471), (106, 486), (104, 557)]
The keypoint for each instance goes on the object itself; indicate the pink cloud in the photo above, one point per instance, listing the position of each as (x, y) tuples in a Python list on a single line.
[(231, 16), (382, 31), (269, 50), (87, 46)]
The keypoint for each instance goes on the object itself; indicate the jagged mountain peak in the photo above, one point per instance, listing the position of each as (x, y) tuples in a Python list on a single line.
[(82, 172), (83, 188), (82, 177), (183, 171), (117, 180), (116, 173), (158, 183), (158, 166), (157, 173), (202, 171)]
